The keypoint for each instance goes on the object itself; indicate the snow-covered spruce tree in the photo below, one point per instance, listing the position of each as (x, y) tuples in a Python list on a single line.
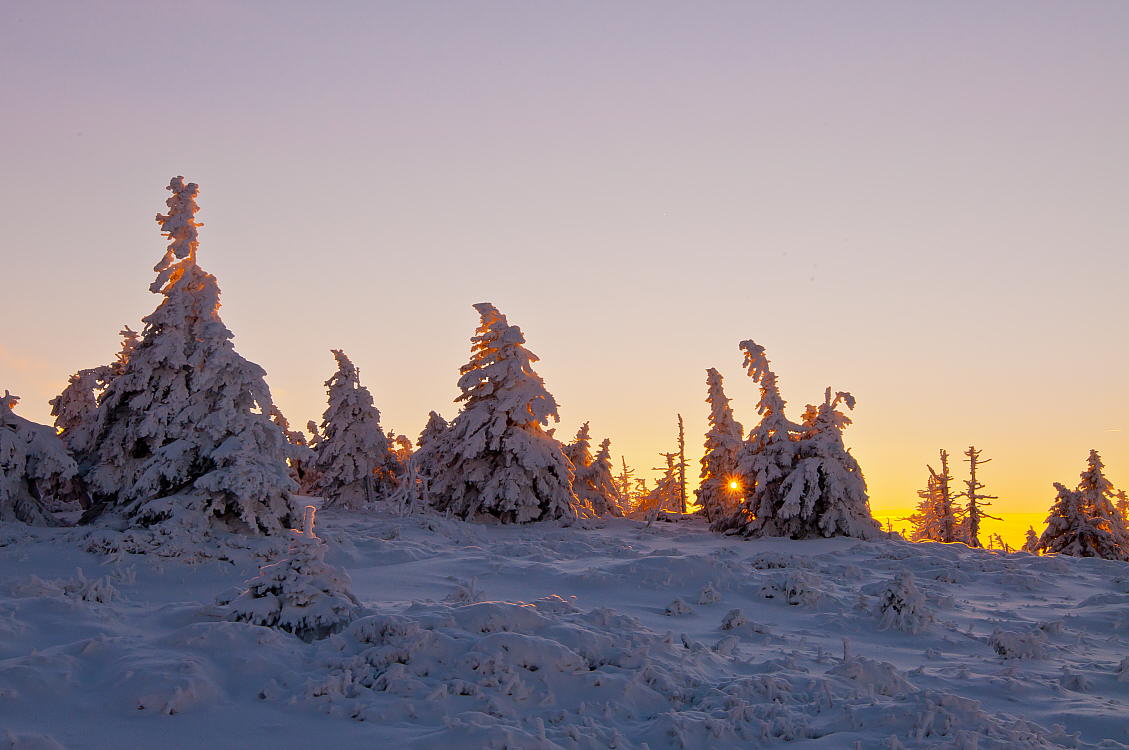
[(423, 457), (663, 497), (34, 467), (299, 455), (496, 458), (1071, 531), (1121, 505), (716, 495), (354, 464), (825, 495), (1031, 541), (767, 456), (76, 409), (601, 480), (1098, 501), (184, 434), (592, 481), (937, 518), (301, 593)]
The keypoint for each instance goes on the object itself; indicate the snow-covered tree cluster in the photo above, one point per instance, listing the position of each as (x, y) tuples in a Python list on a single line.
[(799, 480), (1086, 521)]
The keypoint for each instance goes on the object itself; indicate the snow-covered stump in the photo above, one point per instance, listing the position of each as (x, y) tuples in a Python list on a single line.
[(301, 593), (903, 607)]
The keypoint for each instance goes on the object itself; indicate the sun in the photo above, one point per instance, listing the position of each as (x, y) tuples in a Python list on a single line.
[(733, 484)]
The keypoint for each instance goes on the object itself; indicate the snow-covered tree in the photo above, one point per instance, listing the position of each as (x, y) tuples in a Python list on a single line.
[(1071, 531), (825, 495), (1099, 499), (354, 464), (592, 481), (300, 593), (496, 458), (969, 530), (767, 457), (1031, 541), (35, 469), (802, 480), (299, 455), (661, 498), (720, 487), (184, 433), (76, 409), (625, 484), (1121, 505), (937, 518), (422, 458)]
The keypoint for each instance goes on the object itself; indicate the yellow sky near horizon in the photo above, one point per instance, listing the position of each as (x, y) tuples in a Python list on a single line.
[(923, 205)]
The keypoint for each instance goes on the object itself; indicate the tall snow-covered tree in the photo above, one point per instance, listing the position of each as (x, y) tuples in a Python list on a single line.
[(496, 458), (767, 457), (35, 469), (974, 514), (1072, 531), (1099, 500), (184, 434), (719, 489), (354, 464)]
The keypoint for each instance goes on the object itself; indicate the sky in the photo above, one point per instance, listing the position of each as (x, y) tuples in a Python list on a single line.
[(921, 203)]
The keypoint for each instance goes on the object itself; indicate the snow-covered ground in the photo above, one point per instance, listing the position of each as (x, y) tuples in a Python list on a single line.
[(546, 636)]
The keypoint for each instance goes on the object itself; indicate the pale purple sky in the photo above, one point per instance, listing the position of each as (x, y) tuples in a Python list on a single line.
[(923, 203)]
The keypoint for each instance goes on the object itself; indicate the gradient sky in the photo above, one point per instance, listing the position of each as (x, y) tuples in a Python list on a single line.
[(922, 203)]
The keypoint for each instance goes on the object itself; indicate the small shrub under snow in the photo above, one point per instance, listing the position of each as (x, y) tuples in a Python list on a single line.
[(902, 606), (678, 608), (1013, 645), (300, 594)]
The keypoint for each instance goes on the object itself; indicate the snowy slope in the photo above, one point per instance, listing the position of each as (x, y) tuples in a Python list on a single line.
[(562, 637)]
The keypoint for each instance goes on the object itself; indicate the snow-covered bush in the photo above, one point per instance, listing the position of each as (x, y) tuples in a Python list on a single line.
[(797, 588), (35, 469), (678, 608), (496, 458), (354, 464), (902, 606), (300, 594), (184, 433), (1011, 644)]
